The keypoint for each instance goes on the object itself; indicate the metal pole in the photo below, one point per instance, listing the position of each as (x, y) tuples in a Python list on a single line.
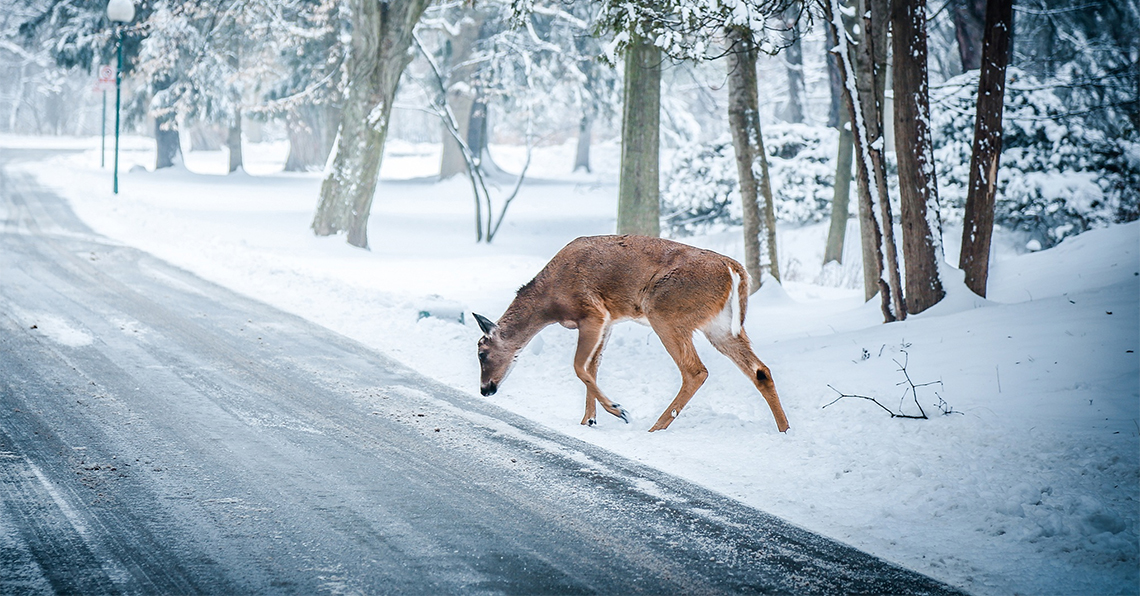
[(103, 132), (118, 83)]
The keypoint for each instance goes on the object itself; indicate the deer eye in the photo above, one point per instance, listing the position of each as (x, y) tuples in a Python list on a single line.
[(482, 356)]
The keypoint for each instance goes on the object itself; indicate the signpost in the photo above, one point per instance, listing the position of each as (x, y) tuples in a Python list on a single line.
[(106, 80)]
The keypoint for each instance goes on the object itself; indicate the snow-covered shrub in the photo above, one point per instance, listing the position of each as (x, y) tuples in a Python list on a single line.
[(1057, 177), (702, 192)]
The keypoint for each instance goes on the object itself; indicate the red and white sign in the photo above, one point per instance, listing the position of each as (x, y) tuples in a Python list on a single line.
[(106, 78)]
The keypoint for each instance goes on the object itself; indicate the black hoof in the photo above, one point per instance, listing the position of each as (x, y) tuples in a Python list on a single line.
[(591, 422), (622, 413)]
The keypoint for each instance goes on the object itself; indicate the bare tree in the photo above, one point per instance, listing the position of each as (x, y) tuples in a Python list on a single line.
[(922, 234), (978, 221)]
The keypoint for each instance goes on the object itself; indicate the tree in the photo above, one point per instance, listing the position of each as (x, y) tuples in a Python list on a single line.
[(838, 119), (863, 100), (646, 29), (306, 90), (969, 26), (77, 34), (381, 36), (748, 143), (638, 192), (918, 190), (459, 67), (794, 64), (978, 221)]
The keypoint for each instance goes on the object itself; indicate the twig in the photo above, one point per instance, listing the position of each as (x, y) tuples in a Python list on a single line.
[(470, 160), (911, 388)]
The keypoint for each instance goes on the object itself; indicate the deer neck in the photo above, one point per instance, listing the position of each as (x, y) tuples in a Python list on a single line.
[(525, 317)]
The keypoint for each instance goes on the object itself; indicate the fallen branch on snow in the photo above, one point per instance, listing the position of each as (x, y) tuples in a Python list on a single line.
[(911, 389)]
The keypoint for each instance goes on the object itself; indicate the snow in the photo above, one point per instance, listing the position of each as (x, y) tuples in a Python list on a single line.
[(1031, 485)]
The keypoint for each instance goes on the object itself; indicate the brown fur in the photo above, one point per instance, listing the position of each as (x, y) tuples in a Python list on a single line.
[(597, 281)]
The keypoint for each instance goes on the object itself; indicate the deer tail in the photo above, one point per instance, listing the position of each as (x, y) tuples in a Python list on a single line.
[(735, 300)]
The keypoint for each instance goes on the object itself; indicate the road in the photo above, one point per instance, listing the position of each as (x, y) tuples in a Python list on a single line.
[(160, 434)]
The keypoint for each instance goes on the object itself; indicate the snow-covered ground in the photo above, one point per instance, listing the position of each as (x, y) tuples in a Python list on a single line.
[(1030, 486)]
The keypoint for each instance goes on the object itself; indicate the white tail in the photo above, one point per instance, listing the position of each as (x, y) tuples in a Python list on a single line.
[(734, 302), (597, 281)]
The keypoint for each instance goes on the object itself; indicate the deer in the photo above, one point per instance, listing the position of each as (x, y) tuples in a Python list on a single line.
[(598, 281)]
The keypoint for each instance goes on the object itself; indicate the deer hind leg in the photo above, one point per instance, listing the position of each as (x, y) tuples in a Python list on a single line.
[(679, 344), (592, 336), (739, 350)]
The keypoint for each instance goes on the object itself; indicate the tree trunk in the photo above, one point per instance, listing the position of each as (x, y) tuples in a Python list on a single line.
[(233, 143), (452, 162), (169, 148), (860, 97), (744, 123), (969, 26), (876, 19), (835, 81), (978, 221), (638, 189), (582, 156), (205, 137), (918, 188), (838, 119), (312, 133), (461, 94), (479, 138), (306, 139), (840, 200), (794, 63), (382, 33), (769, 206)]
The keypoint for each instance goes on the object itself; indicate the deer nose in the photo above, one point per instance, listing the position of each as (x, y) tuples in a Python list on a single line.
[(489, 389)]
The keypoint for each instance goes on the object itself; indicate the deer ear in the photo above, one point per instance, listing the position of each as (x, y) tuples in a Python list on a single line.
[(485, 324)]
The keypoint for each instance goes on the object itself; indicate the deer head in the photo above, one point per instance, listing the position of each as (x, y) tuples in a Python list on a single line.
[(495, 357)]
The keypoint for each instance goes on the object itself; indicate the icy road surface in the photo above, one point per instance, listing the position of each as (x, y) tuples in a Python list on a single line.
[(160, 434)]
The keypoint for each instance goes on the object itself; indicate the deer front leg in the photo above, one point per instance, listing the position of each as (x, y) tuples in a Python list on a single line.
[(592, 336), (739, 350), (680, 346)]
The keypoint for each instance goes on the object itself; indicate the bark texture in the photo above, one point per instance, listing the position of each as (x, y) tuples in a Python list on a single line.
[(918, 190), (978, 221), (382, 33), (638, 191)]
